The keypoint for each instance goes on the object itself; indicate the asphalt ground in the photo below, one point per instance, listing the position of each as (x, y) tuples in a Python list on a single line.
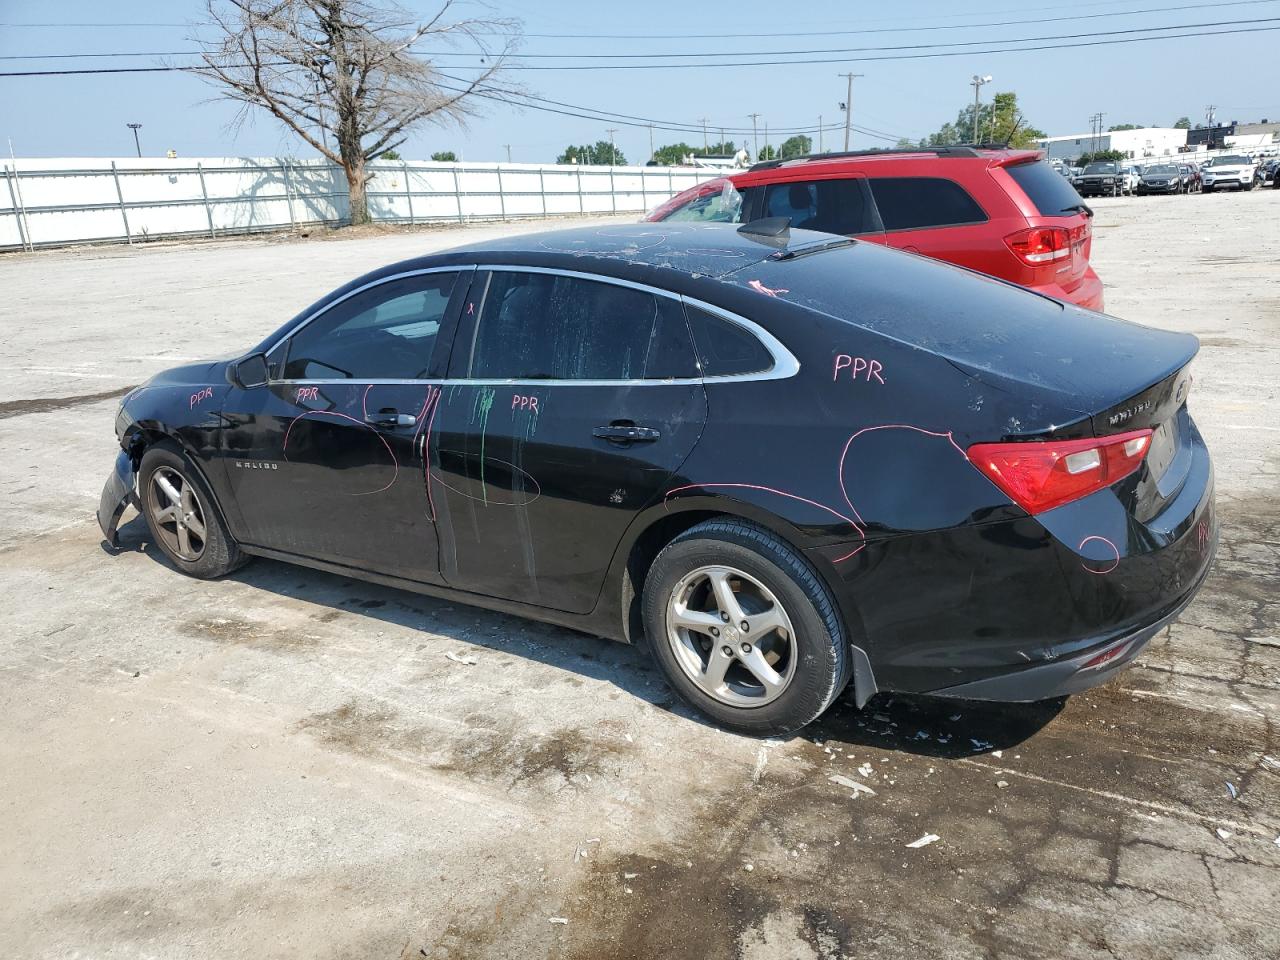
[(287, 763)]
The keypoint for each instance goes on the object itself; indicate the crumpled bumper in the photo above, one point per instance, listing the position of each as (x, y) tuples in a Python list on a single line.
[(118, 493)]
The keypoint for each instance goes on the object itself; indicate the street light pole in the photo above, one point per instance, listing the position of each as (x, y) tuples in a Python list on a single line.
[(613, 150), (705, 148), (508, 146), (755, 137), (137, 144), (977, 83)]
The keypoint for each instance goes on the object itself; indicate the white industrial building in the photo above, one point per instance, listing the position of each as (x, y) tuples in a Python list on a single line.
[(1140, 144)]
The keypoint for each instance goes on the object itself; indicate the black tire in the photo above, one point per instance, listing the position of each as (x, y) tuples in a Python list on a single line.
[(823, 659), (218, 553)]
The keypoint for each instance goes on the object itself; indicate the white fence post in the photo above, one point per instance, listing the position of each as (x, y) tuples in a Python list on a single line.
[(124, 215), (581, 207), (204, 194), (542, 192), (502, 198), (457, 193), (19, 214), (288, 194), (408, 194)]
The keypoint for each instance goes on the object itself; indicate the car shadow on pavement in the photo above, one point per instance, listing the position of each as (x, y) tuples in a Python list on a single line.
[(938, 727)]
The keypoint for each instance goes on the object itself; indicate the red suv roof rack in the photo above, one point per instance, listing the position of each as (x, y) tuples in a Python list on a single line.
[(957, 151)]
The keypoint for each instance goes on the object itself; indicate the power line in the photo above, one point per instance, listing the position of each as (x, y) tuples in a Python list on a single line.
[(806, 33)]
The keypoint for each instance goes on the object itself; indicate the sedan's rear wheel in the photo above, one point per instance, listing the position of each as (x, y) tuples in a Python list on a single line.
[(743, 629), (184, 521)]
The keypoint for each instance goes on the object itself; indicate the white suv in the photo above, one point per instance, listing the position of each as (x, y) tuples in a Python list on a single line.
[(1230, 170)]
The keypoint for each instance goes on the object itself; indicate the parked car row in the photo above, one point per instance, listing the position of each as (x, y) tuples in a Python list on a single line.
[(1115, 179)]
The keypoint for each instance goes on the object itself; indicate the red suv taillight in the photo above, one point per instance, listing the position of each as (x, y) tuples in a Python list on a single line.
[(1039, 475), (1040, 245)]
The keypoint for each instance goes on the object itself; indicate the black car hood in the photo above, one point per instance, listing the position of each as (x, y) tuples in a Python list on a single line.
[(1065, 360), (190, 374)]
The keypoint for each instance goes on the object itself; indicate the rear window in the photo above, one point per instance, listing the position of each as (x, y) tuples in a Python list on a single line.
[(832, 206), (910, 203), (1049, 193), (724, 348)]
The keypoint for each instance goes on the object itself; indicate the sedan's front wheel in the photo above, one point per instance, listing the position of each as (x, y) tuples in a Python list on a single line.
[(180, 512), (743, 629)]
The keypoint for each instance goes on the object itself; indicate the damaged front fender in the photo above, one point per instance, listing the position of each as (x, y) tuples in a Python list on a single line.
[(119, 492)]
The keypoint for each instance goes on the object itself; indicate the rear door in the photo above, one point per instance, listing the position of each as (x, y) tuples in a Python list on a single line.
[(571, 400), (840, 205), (933, 216)]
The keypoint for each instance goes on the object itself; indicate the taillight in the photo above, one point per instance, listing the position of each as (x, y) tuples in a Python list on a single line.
[(1040, 245), (1039, 475)]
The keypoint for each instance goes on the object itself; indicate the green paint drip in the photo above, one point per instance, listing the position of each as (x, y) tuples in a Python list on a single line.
[(481, 408)]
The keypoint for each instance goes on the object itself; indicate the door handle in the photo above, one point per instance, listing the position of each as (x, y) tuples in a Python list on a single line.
[(389, 418), (626, 433)]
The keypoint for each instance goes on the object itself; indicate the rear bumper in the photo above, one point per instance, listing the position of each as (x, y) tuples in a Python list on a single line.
[(1083, 671), (118, 492), (1087, 293)]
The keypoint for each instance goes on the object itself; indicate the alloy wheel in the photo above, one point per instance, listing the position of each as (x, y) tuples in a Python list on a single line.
[(176, 513), (731, 636)]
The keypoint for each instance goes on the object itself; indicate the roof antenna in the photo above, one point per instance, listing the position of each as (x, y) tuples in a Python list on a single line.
[(770, 227)]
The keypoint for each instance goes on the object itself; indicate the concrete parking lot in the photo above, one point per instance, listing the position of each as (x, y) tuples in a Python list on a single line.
[(286, 763)]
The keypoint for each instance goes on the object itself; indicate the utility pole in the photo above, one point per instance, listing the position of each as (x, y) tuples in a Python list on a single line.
[(613, 150), (1208, 117), (705, 149), (651, 154), (847, 106), (137, 145), (766, 139), (722, 139), (508, 146), (978, 83), (755, 137)]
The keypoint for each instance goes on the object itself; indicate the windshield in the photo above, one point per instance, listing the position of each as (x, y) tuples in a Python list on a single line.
[(1229, 161), (1100, 168), (1164, 170), (717, 202)]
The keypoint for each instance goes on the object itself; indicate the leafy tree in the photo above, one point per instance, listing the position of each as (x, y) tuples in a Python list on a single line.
[(602, 153), (1184, 123), (998, 121), (768, 153), (389, 155), (906, 143), (797, 146), (445, 156), (1102, 156), (347, 67), (1125, 126)]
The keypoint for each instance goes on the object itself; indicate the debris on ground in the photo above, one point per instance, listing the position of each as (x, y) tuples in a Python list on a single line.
[(1002, 784), (1224, 834), (924, 841), (557, 919), (465, 661), (866, 770), (1231, 789), (851, 784)]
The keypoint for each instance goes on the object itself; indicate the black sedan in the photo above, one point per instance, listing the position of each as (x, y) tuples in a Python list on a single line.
[(1162, 178), (783, 460)]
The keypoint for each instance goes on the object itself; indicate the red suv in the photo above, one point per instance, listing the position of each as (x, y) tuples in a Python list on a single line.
[(1001, 212)]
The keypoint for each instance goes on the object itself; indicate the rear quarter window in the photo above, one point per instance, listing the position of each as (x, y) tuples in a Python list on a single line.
[(913, 203), (1048, 191)]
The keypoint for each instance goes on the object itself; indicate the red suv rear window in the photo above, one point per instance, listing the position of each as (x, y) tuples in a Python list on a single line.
[(1047, 189)]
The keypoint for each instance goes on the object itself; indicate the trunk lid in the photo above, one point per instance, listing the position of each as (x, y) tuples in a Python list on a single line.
[(1068, 365)]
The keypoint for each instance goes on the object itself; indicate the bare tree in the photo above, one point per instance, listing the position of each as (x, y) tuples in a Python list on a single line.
[(344, 75)]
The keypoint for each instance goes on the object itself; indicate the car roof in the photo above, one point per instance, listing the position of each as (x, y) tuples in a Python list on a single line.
[(694, 249), (863, 161)]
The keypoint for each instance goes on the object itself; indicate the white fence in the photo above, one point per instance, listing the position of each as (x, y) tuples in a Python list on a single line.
[(62, 201)]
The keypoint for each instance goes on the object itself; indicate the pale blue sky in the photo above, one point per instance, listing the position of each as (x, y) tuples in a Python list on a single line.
[(1148, 83)]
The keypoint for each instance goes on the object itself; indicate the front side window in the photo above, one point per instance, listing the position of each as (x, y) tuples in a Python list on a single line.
[(912, 203), (832, 206), (387, 332), (548, 326)]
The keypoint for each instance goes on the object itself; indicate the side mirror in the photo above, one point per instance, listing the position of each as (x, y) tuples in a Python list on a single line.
[(249, 372)]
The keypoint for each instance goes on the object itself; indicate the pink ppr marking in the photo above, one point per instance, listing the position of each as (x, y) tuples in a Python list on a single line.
[(364, 402), (886, 426), (1109, 544), (284, 450), (306, 393), (426, 456), (759, 287)]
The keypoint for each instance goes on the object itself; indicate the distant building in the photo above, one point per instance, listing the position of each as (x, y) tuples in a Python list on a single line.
[(1235, 134), (1134, 144)]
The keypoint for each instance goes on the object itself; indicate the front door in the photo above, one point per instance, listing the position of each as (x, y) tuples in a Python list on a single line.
[(327, 460), (571, 402)]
